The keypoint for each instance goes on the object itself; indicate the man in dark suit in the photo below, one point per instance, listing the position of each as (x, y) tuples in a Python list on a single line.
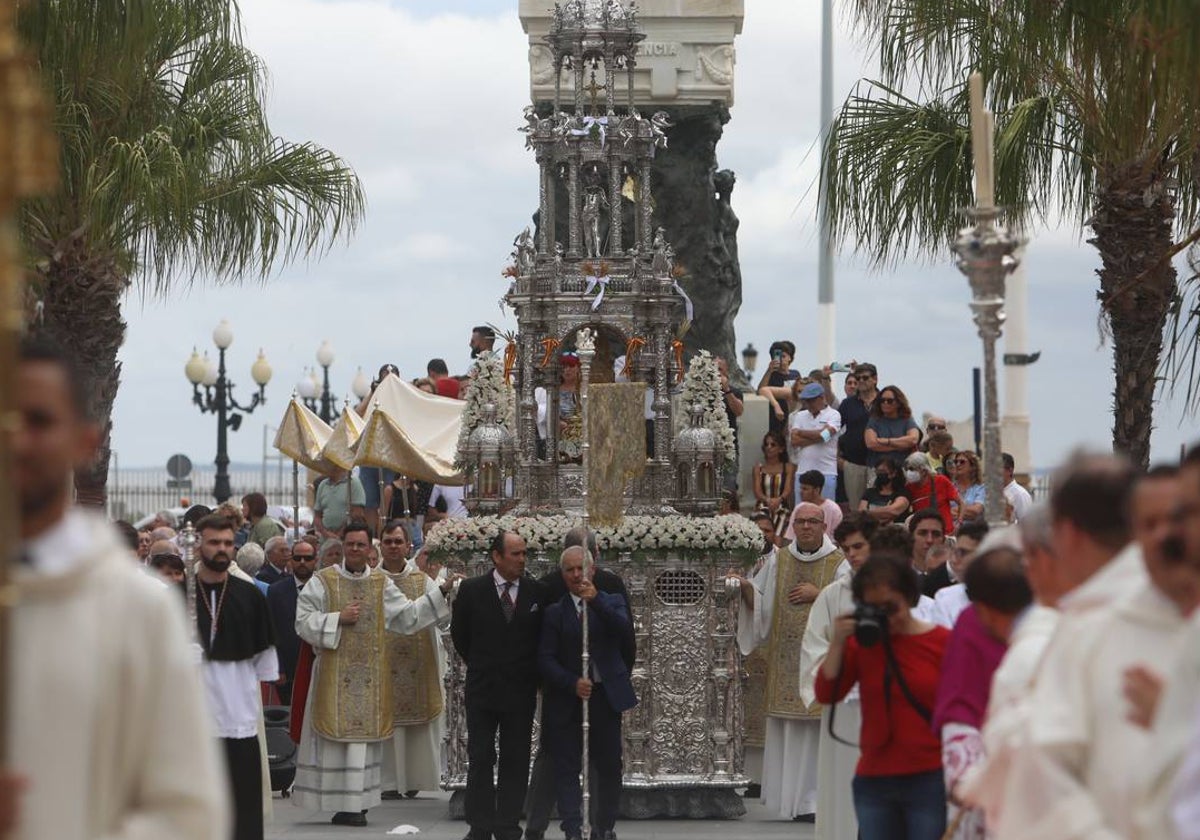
[(495, 625), (281, 601), (278, 557), (542, 787), (606, 689)]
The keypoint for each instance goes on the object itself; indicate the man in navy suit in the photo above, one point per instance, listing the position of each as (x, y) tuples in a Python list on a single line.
[(607, 690), (281, 601), (495, 625)]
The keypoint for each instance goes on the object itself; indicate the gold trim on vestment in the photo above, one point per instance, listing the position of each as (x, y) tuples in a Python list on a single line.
[(353, 700), (415, 682), (787, 633), (754, 699)]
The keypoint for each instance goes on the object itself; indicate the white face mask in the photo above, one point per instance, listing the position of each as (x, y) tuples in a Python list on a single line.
[(912, 476)]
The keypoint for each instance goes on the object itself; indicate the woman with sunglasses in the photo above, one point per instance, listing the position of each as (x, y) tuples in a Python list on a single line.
[(969, 482), (899, 789), (891, 431), (773, 480)]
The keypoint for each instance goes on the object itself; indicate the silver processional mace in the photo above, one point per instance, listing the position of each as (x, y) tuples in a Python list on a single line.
[(585, 346)]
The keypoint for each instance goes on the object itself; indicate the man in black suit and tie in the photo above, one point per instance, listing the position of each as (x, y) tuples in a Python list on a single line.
[(607, 690), (279, 555), (281, 601), (495, 625)]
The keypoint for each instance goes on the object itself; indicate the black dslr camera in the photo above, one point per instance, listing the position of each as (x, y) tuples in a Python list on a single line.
[(870, 625)]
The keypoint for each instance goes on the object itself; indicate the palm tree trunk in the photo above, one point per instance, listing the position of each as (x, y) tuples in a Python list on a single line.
[(1133, 226), (81, 300)]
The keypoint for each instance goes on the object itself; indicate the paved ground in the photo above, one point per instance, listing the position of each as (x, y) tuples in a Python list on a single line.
[(428, 814)]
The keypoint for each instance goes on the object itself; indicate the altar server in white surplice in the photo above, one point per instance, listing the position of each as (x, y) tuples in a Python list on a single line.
[(836, 761), (107, 724), (773, 610), (417, 666), (1069, 773), (346, 612)]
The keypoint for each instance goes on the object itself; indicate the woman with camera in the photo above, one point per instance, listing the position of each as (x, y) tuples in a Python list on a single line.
[(895, 660)]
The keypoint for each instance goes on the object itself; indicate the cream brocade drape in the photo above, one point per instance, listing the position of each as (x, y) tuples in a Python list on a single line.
[(617, 437)]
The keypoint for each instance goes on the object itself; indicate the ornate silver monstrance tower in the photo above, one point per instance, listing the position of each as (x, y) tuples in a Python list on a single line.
[(595, 260)]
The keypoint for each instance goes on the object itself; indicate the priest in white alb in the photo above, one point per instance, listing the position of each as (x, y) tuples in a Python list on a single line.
[(413, 760), (837, 760), (345, 612), (774, 610)]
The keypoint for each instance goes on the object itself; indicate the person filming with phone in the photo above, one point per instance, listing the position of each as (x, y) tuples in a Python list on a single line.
[(895, 659), (776, 385)]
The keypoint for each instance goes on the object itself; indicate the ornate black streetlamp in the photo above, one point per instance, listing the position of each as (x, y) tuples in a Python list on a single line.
[(217, 397)]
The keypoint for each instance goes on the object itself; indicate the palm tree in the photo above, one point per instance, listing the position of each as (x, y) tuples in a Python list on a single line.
[(169, 174), (1096, 105)]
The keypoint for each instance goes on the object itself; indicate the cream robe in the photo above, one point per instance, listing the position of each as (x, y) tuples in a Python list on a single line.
[(836, 762), (1073, 775), (108, 718), (1165, 782), (789, 771), (414, 759), (338, 775)]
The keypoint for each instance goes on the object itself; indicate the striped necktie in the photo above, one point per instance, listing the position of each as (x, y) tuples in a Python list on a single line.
[(506, 601)]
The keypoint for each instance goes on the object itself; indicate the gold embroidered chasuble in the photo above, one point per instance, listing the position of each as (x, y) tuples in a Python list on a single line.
[(787, 632), (353, 700), (415, 683)]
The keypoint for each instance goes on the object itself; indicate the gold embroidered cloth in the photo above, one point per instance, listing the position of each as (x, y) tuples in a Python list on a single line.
[(787, 633), (754, 699), (416, 687), (617, 435), (353, 699)]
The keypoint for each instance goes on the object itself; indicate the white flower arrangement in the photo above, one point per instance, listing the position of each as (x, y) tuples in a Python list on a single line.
[(702, 384), (487, 386), (473, 535)]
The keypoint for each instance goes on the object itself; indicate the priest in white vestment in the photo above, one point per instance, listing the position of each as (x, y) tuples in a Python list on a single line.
[(106, 723), (413, 760), (836, 760), (1069, 774), (344, 612), (774, 610)]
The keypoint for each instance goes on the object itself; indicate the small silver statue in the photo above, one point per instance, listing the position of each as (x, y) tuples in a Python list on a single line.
[(524, 252), (659, 123), (663, 259), (594, 203)]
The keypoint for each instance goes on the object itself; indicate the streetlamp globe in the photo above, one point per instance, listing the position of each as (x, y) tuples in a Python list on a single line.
[(325, 354), (260, 371), (306, 387), (223, 335), (210, 372), (195, 368), (749, 358), (360, 386)]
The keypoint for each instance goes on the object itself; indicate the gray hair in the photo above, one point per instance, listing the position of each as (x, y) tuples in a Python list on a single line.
[(274, 543), (579, 535), (327, 546), (1037, 527), (918, 461), (569, 552), (250, 558)]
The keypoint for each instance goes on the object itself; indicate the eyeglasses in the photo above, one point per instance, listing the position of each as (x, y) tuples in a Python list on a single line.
[(811, 522), (864, 375), (962, 462), (303, 558), (936, 427), (887, 399)]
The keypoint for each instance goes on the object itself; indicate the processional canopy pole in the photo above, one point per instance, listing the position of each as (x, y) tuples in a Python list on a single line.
[(28, 166), (585, 347)]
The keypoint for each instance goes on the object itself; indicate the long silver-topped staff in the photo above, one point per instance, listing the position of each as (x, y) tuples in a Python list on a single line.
[(585, 347), (188, 540)]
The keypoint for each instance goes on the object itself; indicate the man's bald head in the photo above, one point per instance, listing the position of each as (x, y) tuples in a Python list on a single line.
[(162, 547), (809, 526)]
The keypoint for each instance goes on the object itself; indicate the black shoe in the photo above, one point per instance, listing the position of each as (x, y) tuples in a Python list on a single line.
[(805, 818), (754, 791), (350, 818), (411, 794), (534, 835), (391, 795)]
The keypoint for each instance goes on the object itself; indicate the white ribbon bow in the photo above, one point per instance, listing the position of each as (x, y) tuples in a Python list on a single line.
[(589, 123), (592, 282), (687, 301)]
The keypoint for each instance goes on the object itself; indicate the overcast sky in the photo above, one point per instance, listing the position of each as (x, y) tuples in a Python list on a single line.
[(423, 98)]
